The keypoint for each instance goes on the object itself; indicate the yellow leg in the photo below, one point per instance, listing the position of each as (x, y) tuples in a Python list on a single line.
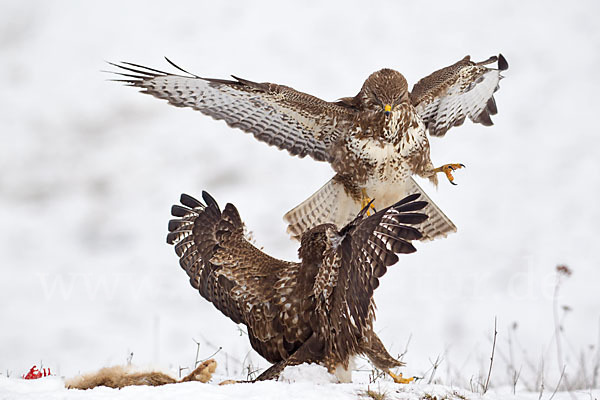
[(399, 379), (447, 169), (367, 201)]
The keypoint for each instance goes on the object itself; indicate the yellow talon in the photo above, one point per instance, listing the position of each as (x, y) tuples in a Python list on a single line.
[(447, 169), (365, 202), (399, 379)]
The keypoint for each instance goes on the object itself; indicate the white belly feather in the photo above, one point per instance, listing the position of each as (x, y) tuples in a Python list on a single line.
[(392, 162)]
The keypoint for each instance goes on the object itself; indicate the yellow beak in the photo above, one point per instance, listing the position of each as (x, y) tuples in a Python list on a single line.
[(387, 109)]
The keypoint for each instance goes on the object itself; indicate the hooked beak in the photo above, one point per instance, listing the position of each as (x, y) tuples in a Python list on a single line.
[(387, 110)]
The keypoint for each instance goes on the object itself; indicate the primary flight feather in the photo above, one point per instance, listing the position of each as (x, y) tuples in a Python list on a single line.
[(375, 141), (318, 310)]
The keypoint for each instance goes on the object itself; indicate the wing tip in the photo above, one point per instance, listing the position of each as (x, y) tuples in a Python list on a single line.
[(491, 107), (171, 238), (179, 211), (484, 118), (502, 63), (209, 200), (409, 198), (173, 224), (181, 69), (190, 201)]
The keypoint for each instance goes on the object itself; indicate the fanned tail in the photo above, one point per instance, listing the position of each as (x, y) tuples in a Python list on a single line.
[(329, 204), (438, 225)]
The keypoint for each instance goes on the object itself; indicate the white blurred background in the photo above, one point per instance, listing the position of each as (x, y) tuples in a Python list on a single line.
[(90, 168)]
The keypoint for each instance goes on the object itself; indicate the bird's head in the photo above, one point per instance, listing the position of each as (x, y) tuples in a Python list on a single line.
[(383, 91), (316, 241)]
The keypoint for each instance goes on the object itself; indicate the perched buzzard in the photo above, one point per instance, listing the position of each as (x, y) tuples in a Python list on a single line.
[(375, 141), (319, 310)]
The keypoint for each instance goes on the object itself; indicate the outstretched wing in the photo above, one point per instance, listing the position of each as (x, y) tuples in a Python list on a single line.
[(447, 97), (278, 115), (235, 276), (371, 245)]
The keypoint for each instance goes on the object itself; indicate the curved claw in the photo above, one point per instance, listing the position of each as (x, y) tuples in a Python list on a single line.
[(367, 203), (447, 169), (400, 379)]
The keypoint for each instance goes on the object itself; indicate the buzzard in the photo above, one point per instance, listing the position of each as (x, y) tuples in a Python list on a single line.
[(375, 141), (319, 310)]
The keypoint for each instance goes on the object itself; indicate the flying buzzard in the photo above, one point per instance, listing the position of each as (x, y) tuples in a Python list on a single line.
[(319, 310), (375, 141)]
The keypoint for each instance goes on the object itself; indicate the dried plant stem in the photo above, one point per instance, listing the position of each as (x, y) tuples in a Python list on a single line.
[(435, 366), (212, 355), (515, 379), (487, 381), (401, 356), (541, 387), (562, 374), (197, 352), (557, 326)]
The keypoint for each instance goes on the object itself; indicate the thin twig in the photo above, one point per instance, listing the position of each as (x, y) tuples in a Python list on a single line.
[(181, 369), (244, 360), (557, 325), (197, 352), (401, 356), (516, 376), (597, 361), (251, 373), (562, 271), (541, 379), (511, 355), (531, 366), (487, 381), (435, 366), (582, 374), (559, 381), (375, 374), (212, 355)]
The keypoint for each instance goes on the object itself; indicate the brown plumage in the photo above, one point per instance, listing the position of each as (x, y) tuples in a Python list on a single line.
[(374, 141), (319, 310), (464, 89)]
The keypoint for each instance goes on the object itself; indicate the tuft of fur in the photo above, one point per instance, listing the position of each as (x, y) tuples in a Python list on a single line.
[(203, 373), (118, 377)]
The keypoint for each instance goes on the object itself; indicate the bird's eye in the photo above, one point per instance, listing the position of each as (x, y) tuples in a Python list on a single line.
[(377, 100)]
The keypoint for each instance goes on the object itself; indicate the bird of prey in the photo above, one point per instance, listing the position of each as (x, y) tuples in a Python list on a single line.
[(375, 141), (320, 310)]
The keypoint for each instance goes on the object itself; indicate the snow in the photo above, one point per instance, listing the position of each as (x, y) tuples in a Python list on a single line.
[(304, 382), (89, 170), (312, 373)]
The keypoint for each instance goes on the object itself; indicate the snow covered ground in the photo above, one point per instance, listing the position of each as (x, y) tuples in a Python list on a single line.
[(305, 382), (89, 170)]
